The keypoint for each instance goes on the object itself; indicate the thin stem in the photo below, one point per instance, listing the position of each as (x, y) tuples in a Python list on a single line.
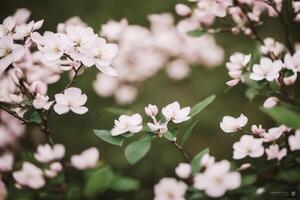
[(76, 71), (184, 154)]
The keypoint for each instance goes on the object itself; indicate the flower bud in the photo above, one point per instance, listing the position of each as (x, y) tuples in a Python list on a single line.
[(182, 10), (39, 87), (270, 102), (56, 166), (151, 110), (16, 75)]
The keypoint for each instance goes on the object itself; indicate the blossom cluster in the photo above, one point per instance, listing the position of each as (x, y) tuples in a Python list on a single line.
[(47, 164), (143, 52)]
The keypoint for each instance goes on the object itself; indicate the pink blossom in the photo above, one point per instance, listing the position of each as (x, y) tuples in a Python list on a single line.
[(87, 159), (46, 153)]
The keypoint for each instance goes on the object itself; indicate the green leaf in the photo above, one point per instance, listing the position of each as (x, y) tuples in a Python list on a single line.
[(98, 181), (73, 192), (35, 117), (118, 111), (169, 136), (291, 175), (248, 179), (201, 105), (26, 102), (188, 133), (106, 136), (124, 184), (196, 161), (251, 93), (196, 33), (137, 150), (283, 115)]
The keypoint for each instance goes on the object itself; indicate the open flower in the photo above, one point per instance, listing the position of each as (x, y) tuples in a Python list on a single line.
[(87, 159), (41, 102), (30, 176), (207, 160), (9, 52), (294, 141), (274, 133), (217, 179), (170, 189), (267, 69), (6, 162), (46, 153), (183, 170), (132, 124), (248, 146), (72, 99), (174, 113), (273, 152), (230, 124)]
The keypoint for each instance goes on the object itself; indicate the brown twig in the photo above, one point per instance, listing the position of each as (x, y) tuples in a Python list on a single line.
[(184, 154)]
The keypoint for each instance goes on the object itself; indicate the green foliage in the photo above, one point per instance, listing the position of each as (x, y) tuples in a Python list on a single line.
[(291, 175), (196, 161), (201, 105), (283, 115), (32, 115), (196, 33), (169, 136), (188, 133), (118, 111), (98, 181), (248, 179), (124, 184), (138, 149), (106, 136)]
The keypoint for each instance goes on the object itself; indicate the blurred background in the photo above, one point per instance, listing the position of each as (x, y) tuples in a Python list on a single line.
[(75, 131)]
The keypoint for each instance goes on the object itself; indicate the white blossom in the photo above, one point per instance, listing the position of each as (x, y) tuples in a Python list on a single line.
[(46, 153), (217, 179), (270, 102), (273, 152), (267, 69), (294, 141), (72, 99), (6, 162), (30, 176), (230, 124), (183, 170), (248, 146), (175, 113), (170, 189), (87, 159), (132, 124)]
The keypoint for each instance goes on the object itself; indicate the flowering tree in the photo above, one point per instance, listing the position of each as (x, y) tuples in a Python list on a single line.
[(264, 161)]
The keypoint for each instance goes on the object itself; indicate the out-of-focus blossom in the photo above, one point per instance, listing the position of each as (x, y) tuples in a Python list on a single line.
[(29, 176), (244, 166), (6, 162), (296, 7), (72, 99), (178, 70), (132, 124), (87, 159), (46, 153), (183, 170), (217, 179), (182, 9), (53, 170), (294, 141), (105, 86), (230, 124), (175, 113), (113, 30), (292, 62), (267, 69), (270, 102), (273, 152), (207, 160), (248, 146), (170, 189), (73, 21), (125, 94), (39, 87)]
